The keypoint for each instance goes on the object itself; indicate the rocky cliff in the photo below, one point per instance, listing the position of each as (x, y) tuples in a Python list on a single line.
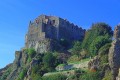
[(41, 38), (114, 53)]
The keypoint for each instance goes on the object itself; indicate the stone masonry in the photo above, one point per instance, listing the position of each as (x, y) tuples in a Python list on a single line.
[(51, 27)]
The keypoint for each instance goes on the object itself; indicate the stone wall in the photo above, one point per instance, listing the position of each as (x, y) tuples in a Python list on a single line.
[(69, 31), (51, 27)]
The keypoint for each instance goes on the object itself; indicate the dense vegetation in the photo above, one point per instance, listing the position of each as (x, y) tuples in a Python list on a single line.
[(55, 77), (96, 42), (98, 29)]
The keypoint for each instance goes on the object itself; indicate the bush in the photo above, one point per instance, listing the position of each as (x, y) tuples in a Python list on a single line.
[(108, 76), (103, 59), (49, 61), (73, 59), (36, 77), (35, 69), (55, 77), (29, 59), (84, 54), (104, 49), (103, 53), (90, 76), (97, 44), (72, 77), (36, 73), (22, 74), (31, 53), (76, 48)]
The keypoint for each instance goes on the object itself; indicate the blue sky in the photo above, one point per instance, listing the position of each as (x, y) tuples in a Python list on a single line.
[(16, 14)]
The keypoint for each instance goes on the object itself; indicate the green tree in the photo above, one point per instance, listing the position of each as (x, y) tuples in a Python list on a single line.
[(76, 48), (104, 49), (49, 61), (97, 29), (93, 37), (97, 44)]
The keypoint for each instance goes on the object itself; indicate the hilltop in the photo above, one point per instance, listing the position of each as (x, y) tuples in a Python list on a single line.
[(56, 49)]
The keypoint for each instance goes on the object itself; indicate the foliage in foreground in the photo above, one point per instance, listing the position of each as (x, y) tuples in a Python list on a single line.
[(90, 76), (55, 77)]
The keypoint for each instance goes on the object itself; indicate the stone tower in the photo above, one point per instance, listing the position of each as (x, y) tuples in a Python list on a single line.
[(46, 28)]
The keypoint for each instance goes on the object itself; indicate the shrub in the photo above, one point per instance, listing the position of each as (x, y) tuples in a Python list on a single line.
[(73, 58), (22, 74), (103, 59), (97, 44), (76, 48), (29, 59), (31, 52), (90, 76), (104, 49), (108, 76), (36, 77), (55, 77), (84, 54), (49, 59), (36, 73)]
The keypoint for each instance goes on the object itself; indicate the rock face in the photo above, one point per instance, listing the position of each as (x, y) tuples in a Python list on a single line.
[(114, 53), (117, 32), (20, 60), (2, 71), (118, 78), (47, 28), (94, 63)]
